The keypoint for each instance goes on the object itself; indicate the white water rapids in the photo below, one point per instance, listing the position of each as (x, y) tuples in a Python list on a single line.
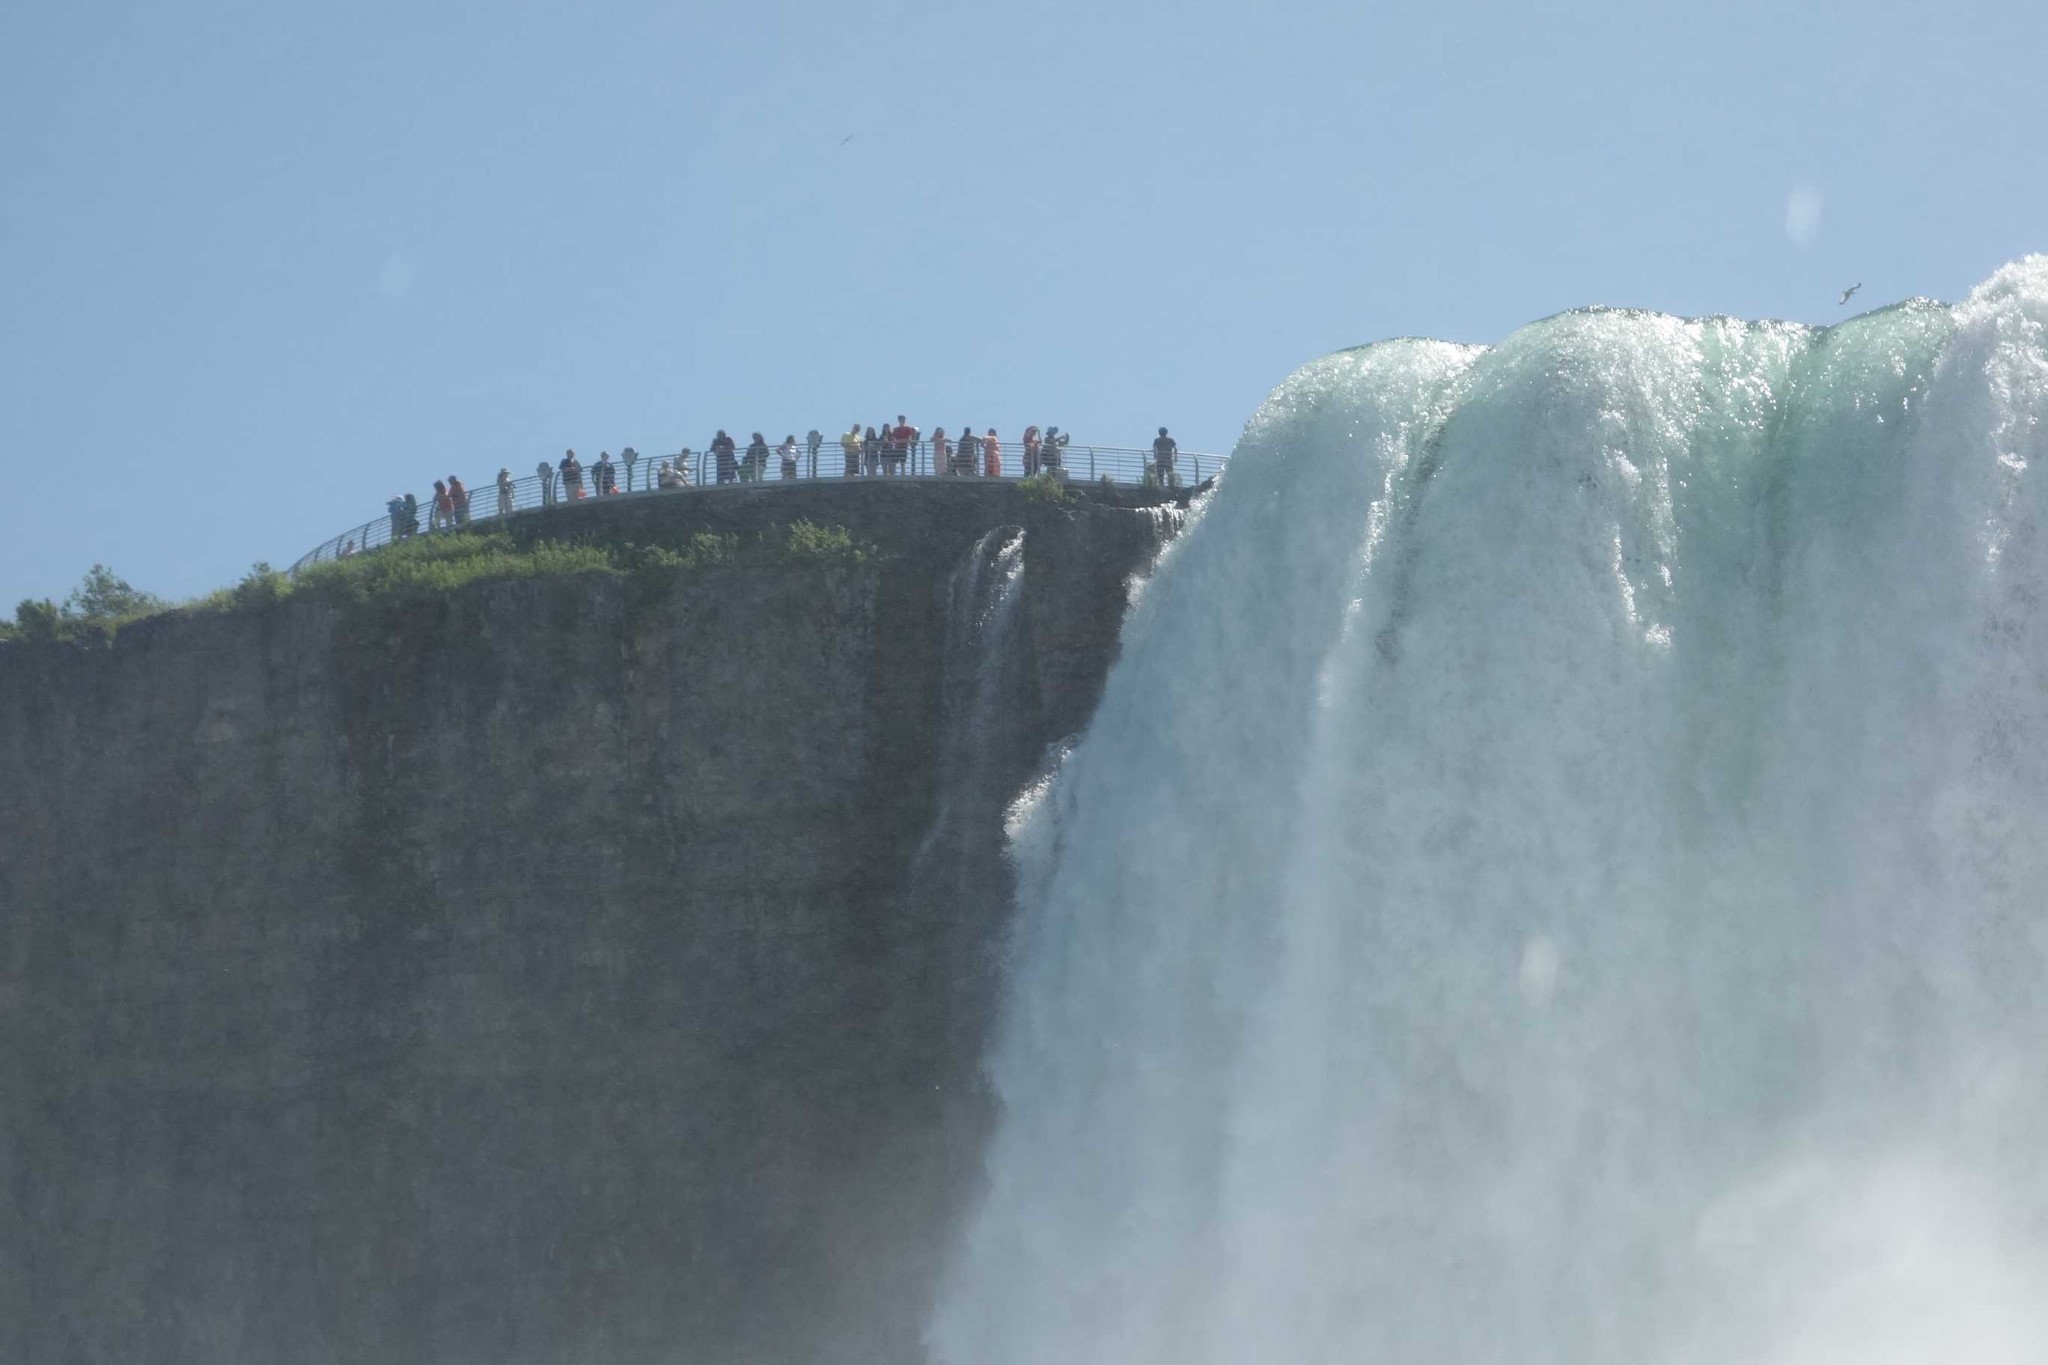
[(1559, 875)]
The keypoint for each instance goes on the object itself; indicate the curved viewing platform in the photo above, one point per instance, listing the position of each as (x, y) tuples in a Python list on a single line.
[(1080, 465)]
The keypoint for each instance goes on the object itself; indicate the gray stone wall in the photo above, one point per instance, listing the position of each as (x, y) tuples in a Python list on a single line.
[(536, 974)]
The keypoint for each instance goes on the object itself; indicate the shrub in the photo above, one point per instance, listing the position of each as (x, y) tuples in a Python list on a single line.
[(1046, 486), (35, 620), (102, 595), (262, 586), (824, 544), (102, 603)]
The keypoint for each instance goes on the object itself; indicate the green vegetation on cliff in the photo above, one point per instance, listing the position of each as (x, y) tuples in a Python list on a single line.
[(432, 566), (102, 602)]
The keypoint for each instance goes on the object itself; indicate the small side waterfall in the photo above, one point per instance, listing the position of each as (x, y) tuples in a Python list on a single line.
[(981, 690)]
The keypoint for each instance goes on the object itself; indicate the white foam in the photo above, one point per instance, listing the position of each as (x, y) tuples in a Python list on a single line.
[(1550, 795)]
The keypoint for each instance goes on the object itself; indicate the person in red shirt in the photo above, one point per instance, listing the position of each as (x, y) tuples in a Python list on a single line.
[(902, 441)]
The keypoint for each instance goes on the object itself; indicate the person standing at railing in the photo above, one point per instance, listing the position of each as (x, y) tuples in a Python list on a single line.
[(991, 455), (1049, 451), (871, 452), (572, 478), (443, 512), (605, 474), (814, 440), (757, 459), (504, 492), (967, 453), (851, 445), (942, 452), (458, 500), (724, 456), (547, 484), (412, 515), (786, 454), (1164, 449), (1032, 448), (396, 507), (902, 441)]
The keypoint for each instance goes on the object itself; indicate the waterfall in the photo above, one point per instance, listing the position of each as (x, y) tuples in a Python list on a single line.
[(979, 684), (1559, 874)]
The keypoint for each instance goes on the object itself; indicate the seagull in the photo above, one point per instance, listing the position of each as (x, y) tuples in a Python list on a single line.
[(1847, 292), (848, 138)]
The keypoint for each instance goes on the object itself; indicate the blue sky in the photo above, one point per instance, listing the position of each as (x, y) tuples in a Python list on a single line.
[(267, 264)]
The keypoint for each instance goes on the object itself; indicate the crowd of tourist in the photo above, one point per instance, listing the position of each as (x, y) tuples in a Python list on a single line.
[(887, 450)]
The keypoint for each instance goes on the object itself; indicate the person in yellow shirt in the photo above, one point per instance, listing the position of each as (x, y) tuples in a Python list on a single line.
[(851, 444)]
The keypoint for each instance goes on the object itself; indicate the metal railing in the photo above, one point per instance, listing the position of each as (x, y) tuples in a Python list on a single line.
[(1075, 463)]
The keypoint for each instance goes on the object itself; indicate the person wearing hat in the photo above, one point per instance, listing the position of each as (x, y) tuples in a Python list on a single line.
[(1163, 451), (1049, 451)]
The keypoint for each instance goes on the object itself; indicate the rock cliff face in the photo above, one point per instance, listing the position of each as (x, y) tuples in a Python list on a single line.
[(561, 970)]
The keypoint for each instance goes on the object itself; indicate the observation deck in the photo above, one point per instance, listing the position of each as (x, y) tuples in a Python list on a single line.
[(1079, 465)]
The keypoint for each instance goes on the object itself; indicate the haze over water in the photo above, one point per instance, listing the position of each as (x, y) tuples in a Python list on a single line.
[(1557, 877)]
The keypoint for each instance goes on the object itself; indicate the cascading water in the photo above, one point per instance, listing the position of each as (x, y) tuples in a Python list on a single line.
[(1560, 874), (979, 682)]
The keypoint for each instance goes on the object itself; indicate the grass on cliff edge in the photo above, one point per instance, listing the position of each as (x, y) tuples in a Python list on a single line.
[(434, 565)]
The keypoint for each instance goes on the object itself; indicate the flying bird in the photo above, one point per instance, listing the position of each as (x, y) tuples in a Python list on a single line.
[(1847, 292), (848, 138)]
